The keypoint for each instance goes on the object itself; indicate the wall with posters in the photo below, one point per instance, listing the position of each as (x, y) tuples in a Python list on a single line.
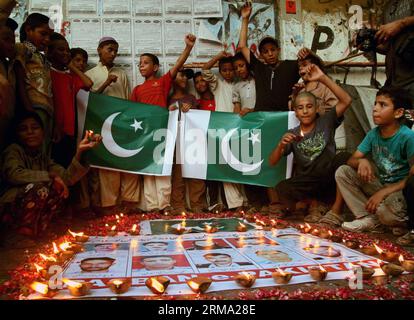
[(158, 26)]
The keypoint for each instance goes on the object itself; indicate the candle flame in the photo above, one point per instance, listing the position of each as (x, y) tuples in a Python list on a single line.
[(401, 258), (122, 215), (322, 268), (330, 233), (134, 228), (184, 223), (71, 283), (106, 225), (179, 227), (242, 225), (39, 287), (117, 217), (379, 250), (55, 248), (38, 268), (157, 285), (281, 271), (113, 228), (193, 285), (65, 246), (46, 258), (308, 225), (80, 234), (183, 214), (117, 282), (208, 228)]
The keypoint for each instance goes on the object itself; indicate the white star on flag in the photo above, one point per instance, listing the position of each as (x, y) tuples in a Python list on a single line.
[(254, 137), (136, 125)]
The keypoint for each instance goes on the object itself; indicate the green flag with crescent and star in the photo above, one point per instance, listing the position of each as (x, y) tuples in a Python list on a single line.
[(136, 138)]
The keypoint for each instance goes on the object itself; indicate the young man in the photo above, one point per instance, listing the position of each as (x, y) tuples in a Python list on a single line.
[(154, 91), (154, 263), (375, 196), (274, 78), (100, 265), (314, 149), (112, 81)]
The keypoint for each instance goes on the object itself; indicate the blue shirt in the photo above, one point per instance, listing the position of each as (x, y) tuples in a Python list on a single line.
[(393, 156)]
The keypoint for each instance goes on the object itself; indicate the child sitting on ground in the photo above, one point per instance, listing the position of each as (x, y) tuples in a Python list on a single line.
[(34, 185), (375, 196), (313, 146)]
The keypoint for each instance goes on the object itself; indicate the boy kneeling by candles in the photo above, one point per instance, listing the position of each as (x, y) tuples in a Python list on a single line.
[(374, 191), (313, 147), (34, 186)]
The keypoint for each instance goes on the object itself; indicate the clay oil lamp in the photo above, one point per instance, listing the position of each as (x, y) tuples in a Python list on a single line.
[(78, 288), (158, 285), (134, 230), (245, 279), (388, 256), (199, 284), (408, 265), (281, 277), (119, 286), (241, 227), (318, 273), (79, 237)]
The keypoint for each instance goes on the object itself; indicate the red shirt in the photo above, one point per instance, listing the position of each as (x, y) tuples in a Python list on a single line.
[(65, 87), (209, 105), (154, 92)]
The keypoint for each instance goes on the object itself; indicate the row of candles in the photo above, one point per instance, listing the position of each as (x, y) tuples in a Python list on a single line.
[(390, 268)]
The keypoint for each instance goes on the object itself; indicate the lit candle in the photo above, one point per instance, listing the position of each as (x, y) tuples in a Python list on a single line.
[(282, 277), (315, 232), (43, 289), (307, 228), (368, 250), (245, 279), (49, 260), (210, 229), (241, 227), (408, 265), (79, 237), (199, 284), (351, 244), (65, 254), (179, 229), (325, 234), (318, 273), (386, 255), (41, 271), (158, 285), (334, 238), (119, 286), (78, 289), (134, 230), (113, 232)]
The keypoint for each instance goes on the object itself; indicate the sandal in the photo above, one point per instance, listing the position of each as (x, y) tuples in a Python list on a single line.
[(406, 240), (332, 219), (277, 210), (316, 213)]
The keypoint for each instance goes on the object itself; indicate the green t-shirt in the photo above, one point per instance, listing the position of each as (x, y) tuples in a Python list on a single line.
[(393, 156)]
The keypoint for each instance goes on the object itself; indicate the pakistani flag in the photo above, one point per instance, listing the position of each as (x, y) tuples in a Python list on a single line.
[(226, 147), (136, 138)]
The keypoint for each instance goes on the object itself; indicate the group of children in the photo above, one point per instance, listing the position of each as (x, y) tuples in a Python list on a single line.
[(44, 75)]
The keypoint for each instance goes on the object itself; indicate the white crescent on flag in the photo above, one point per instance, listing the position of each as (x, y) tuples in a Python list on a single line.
[(109, 142)]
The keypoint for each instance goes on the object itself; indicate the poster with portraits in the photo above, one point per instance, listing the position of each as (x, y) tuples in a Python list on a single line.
[(219, 256)]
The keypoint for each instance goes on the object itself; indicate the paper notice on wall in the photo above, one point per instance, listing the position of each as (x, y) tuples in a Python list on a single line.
[(207, 8), (148, 36), (147, 7), (206, 48), (178, 7), (86, 33), (116, 7), (81, 7), (174, 34), (43, 5), (120, 29)]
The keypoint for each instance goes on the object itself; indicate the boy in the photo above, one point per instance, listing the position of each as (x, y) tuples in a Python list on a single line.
[(154, 91), (375, 197), (113, 81), (244, 91), (313, 146), (79, 58), (222, 89), (326, 100), (206, 101), (67, 80), (274, 78)]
